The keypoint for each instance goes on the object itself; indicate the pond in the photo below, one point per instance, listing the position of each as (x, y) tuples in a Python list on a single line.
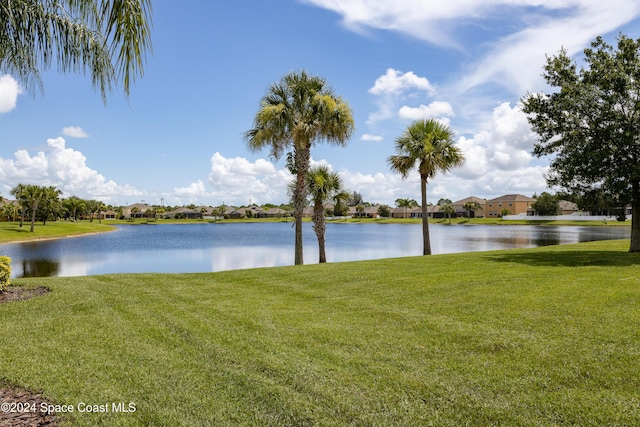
[(180, 248)]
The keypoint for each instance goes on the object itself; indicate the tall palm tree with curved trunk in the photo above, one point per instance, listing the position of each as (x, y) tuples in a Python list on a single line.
[(106, 39), (323, 185), (295, 113), (429, 144)]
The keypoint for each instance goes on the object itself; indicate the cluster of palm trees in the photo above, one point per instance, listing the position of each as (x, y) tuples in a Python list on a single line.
[(301, 109), (44, 203)]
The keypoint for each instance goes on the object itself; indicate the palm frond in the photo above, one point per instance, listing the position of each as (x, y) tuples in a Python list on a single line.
[(108, 40)]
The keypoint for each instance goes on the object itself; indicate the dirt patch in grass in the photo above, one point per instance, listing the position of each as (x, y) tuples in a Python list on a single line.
[(24, 408), (18, 294), (21, 407)]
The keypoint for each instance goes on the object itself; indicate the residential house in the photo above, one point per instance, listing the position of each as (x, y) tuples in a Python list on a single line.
[(368, 212), (205, 210), (516, 204), (307, 212), (109, 215), (140, 211), (567, 208), (461, 211), (272, 213), (183, 213), (432, 212), (252, 211)]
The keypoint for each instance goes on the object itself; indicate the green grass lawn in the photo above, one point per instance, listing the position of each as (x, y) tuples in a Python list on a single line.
[(12, 232), (546, 336)]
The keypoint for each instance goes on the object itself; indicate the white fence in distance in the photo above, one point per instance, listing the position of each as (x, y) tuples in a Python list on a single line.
[(600, 218)]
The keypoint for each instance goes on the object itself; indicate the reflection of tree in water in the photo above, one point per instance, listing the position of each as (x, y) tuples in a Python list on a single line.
[(39, 268)]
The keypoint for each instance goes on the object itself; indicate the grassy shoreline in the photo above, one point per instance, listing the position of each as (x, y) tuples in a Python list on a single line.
[(544, 336)]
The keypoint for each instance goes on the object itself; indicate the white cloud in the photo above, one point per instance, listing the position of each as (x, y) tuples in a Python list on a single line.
[(396, 82), (238, 181), (74, 132), (195, 190), (63, 167), (437, 109), (498, 161), (370, 137), (512, 60), (9, 91), (395, 87)]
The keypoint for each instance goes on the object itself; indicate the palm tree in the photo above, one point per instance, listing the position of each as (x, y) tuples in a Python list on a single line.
[(323, 185), (50, 203), (30, 197), (101, 208), (297, 112), (472, 206), (448, 210), (428, 143), (75, 204), (11, 211), (134, 211), (17, 192), (107, 39), (340, 200), (406, 203), (92, 206)]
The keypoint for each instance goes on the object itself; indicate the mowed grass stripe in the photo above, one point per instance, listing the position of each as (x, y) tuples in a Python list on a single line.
[(545, 336)]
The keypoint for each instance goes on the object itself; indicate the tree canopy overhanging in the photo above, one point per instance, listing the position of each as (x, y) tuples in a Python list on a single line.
[(591, 123), (107, 39)]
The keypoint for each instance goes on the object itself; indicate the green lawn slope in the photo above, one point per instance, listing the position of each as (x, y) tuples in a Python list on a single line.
[(545, 336)]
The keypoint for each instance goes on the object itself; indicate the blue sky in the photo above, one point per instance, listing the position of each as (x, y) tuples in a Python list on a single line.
[(178, 137)]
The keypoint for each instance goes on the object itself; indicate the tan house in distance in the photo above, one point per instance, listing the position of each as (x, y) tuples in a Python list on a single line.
[(461, 211), (142, 208), (516, 204)]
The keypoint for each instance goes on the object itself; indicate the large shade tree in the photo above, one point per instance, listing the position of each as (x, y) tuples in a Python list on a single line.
[(324, 185), (590, 123), (427, 144), (106, 39), (295, 113)]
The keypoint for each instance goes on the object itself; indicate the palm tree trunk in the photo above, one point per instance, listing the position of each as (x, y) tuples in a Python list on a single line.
[(426, 244), (302, 157), (320, 228), (33, 217)]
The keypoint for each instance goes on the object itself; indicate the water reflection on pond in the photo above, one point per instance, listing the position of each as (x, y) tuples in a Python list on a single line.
[(177, 248)]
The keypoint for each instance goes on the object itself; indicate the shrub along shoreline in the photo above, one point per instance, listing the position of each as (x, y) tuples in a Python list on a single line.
[(542, 336)]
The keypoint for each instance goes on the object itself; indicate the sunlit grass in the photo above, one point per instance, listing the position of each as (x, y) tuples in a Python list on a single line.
[(12, 232), (545, 336)]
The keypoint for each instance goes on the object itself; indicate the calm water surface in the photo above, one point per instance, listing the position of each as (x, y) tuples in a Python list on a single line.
[(179, 248)]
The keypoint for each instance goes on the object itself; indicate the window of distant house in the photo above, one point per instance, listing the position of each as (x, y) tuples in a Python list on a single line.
[(500, 204), (509, 203)]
